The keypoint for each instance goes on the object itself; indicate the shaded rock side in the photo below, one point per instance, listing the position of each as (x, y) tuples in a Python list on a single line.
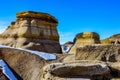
[(114, 39), (83, 39), (73, 71), (115, 70), (32, 30)]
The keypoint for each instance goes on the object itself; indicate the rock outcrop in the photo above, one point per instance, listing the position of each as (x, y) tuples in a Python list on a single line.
[(83, 39), (24, 65), (107, 53), (33, 30), (97, 62), (70, 71), (37, 31), (115, 39)]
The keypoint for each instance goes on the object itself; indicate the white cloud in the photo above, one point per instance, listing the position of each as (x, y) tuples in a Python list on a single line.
[(2, 29)]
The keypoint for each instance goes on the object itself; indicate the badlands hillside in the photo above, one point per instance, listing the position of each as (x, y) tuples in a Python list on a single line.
[(30, 50)]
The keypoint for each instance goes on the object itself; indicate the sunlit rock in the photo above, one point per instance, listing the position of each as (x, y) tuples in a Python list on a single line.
[(32, 30)]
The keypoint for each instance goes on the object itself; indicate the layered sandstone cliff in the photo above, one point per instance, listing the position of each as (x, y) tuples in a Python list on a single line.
[(32, 30)]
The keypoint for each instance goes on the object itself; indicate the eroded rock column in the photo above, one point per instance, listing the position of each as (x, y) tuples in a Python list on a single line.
[(33, 30)]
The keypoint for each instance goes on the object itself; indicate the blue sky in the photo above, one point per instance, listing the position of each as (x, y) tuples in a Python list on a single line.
[(74, 16)]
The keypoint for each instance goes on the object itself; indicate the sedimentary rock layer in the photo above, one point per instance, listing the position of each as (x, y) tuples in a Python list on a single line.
[(32, 30), (70, 71), (107, 53)]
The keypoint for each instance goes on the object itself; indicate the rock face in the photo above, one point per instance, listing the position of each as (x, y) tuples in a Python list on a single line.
[(32, 30), (24, 65), (115, 39), (83, 39), (27, 66), (107, 53), (70, 71), (37, 31)]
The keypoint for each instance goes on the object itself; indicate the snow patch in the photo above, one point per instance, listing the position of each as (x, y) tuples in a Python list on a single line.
[(46, 56), (66, 48), (7, 71)]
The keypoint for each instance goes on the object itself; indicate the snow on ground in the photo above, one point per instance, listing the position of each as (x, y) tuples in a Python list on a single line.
[(46, 56), (65, 49), (6, 71)]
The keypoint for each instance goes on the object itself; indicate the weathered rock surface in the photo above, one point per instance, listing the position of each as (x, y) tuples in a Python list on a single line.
[(107, 53), (33, 30), (28, 66), (37, 31), (66, 71), (25, 65), (115, 39), (83, 39)]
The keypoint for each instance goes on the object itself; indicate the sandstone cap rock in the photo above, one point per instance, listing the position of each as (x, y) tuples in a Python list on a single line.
[(37, 15), (85, 38), (86, 35)]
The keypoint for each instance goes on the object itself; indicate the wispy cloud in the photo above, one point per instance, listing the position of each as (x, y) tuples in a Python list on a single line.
[(2, 29), (3, 26), (66, 36)]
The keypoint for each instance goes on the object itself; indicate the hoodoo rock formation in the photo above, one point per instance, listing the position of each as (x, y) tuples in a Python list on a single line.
[(33, 30), (92, 59), (83, 39)]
